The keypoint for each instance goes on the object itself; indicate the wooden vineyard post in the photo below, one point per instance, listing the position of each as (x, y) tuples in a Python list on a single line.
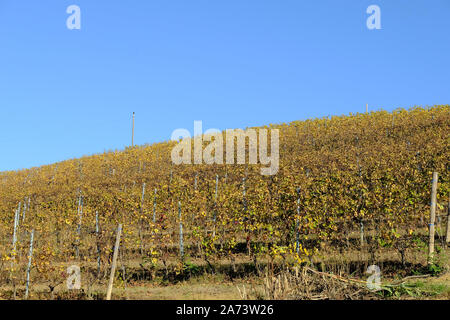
[(297, 224), (114, 263), (142, 197), (154, 206), (361, 233), (195, 182), (26, 205), (447, 236), (244, 192), (181, 232), (361, 222), (141, 213), (199, 248), (432, 217), (215, 206), (30, 255), (97, 232), (24, 210), (16, 226), (80, 217), (13, 257), (124, 275)]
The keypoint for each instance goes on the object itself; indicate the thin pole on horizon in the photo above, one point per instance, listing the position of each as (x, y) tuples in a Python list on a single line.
[(367, 108), (132, 133)]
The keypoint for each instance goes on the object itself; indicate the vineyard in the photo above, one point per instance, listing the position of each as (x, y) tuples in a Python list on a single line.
[(354, 188)]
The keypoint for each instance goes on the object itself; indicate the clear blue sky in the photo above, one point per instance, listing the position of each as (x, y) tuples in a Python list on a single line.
[(230, 63)]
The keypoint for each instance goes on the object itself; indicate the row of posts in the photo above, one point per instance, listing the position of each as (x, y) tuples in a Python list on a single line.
[(119, 230)]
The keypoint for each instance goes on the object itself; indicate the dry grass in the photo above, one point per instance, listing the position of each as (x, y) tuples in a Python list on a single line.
[(326, 278)]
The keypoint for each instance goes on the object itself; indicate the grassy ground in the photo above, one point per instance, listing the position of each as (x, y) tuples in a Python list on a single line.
[(246, 283)]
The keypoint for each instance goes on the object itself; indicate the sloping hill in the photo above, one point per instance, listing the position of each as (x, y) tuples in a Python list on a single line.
[(339, 179)]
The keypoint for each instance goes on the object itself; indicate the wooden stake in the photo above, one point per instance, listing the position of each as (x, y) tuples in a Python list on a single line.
[(297, 224), (13, 258), (114, 263), (141, 245), (80, 218), (215, 206), (181, 232), (361, 233), (432, 217), (16, 226), (217, 187), (244, 192), (124, 276), (195, 182), (25, 207), (97, 231), (143, 196), (30, 255), (447, 237), (154, 206)]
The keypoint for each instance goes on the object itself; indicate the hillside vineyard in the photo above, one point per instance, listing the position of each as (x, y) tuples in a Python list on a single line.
[(339, 178)]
